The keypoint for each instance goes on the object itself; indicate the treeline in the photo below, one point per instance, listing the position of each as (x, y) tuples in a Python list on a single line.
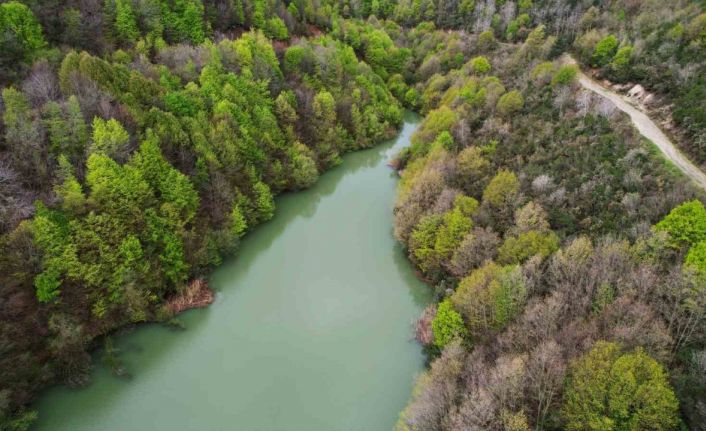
[(659, 44), (141, 139), (569, 294), (125, 176)]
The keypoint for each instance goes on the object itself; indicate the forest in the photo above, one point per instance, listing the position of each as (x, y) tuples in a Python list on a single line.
[(141, 139)]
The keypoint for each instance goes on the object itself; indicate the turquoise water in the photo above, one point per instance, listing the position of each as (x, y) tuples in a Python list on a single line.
[(311, 328)]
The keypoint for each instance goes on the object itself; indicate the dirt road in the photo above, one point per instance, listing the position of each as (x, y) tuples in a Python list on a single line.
[(647, 128)]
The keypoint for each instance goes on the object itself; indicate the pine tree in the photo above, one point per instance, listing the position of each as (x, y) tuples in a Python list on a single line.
[(125, 24)]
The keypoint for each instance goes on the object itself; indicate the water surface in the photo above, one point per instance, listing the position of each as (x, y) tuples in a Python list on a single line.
[(310, 331)]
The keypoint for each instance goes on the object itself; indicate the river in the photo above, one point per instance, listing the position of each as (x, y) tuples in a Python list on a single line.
[(311, 328)]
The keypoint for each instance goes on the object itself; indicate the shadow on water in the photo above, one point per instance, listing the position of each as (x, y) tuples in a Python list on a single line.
[(303, 204)]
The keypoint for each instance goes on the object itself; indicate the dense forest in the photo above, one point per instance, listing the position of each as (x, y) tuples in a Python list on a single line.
[(141, 139)]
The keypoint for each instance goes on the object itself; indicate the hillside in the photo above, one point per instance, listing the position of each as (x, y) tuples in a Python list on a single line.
[(142, 139)]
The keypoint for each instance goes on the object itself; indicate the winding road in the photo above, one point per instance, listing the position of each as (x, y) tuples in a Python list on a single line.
[(646, 127)]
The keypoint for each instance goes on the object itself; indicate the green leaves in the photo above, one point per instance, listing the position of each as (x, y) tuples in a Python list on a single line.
[(518, 249), (609, 391), (125, 24), (490, 297), (604, 51), (685, 224), (447, 325), (510, 102), (480, 65), (22, 35), (109, 137)]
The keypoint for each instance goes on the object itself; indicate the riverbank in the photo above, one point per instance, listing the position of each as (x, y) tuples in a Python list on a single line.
[(311, 327), (196, 295)]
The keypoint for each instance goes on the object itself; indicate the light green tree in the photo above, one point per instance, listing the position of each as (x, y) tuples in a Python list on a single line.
[(125, 23), (480, 65), (109, 137), (510, 102), (685, 224), (447, 324), (22, 35), (604, 51), (610, 391)]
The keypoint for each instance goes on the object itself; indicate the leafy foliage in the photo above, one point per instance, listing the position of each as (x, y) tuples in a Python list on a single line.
[(447, 324), (610, 391)]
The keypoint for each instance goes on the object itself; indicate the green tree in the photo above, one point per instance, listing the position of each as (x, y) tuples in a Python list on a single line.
[(604, 51), (490, 297), (109, 137), (126, 29), (423, 240), (304, 172), (78, 131), (258, 14), (56, 127), (610, 391), (192, 21), (696, 30), (21, 36), (264, 201), (480, 65), (455, 225), (447, 324), (685, 224), (621, 63), (566, 75), (502, 189), (70, 192), (527, 244), (23, 137), (510, 102), (276, 29), (327, 135), (487, 41), (238, 224)]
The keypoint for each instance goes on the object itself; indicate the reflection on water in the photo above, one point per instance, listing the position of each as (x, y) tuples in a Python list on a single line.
[(310, 329)]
